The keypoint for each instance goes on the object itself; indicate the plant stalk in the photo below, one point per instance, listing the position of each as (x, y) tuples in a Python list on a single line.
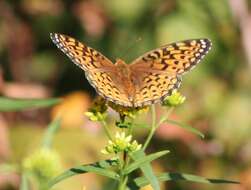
[(107, 132), (153, 127), (123, 178)]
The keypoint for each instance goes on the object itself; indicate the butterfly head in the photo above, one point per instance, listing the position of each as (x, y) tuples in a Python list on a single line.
[(120, 63), (122, 66)]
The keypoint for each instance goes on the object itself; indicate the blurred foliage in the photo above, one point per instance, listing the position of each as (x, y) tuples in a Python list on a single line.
[(218, 91)]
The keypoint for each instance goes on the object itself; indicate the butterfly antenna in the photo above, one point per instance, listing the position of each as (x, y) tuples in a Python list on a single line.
[(130, 46)]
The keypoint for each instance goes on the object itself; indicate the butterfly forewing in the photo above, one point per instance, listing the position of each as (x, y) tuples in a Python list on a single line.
[(85, 57), (157, 73), (175, 58), (98, 69)]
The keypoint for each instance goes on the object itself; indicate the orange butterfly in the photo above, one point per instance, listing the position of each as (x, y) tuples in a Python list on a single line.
[(147, 80)]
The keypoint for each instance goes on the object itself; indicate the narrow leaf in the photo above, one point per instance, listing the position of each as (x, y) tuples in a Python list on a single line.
[(141, 125), (147, 170), (16, 104), (99, 168), (50, 133), (187, 127), (142, 181), (145, 159)]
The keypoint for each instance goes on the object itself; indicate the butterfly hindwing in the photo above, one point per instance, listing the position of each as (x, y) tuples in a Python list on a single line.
[(106, 86), (154, 88)]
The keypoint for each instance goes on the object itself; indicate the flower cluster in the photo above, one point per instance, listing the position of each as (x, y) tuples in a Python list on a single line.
[(121, 143), (44, 164)]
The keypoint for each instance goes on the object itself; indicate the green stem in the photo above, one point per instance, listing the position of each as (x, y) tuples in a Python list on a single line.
[(166, 116), (107, 132), (126, 159), (24, 182), (130, 130), (153, 127), (123, 178), (123, 182)]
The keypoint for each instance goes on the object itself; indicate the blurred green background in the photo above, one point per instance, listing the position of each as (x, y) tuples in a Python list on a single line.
[(218, 91)]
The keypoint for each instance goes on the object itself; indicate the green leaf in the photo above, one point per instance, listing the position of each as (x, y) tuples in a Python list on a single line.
[(142, 181), (24, 182), (146, 169), (15, 104), (187, 127), (50, 132), (100, 168), (140, 125), (144, 159)]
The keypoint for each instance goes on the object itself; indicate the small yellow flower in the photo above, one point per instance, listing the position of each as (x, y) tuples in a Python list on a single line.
[(95, 116), (174, 100), (134, 146), (98, 110), (121, 143)]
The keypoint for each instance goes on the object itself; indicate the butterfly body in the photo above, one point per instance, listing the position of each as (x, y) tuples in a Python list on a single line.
[(124, 75), (147, 80)]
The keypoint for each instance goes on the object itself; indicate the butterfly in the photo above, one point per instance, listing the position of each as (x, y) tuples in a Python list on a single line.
[(147, 80)]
